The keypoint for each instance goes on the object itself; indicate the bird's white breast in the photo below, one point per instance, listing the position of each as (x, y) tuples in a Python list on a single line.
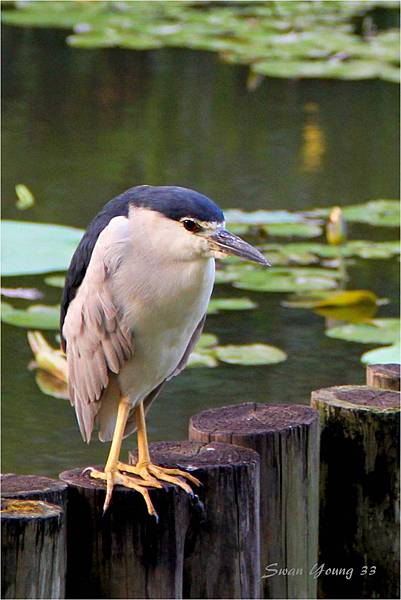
[(162, 292)]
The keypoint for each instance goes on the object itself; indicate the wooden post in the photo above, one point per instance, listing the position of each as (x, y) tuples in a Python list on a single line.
[(385, 377), (33, 487), (33, 549), (127, 554), (287, 440), (359, 493)]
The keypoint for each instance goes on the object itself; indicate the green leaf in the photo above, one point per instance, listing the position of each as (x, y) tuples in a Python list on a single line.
[(382, 356), (252, 354), (202, 359), (376, 331), (261, 217), (306, 230), (25, 197), (218, 304), (55, 281), (385, 213), (207, 340), (37, 247), (286, 280), (37, 316)]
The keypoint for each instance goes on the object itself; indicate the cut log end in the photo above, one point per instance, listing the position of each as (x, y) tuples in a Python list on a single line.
[(12, 508), (386, 377), (192, 456), (30, 486), (357, 397), (249, 418)]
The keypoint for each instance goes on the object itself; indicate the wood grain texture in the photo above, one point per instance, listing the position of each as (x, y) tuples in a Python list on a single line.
[(33, 549), (33, 487), (200, 546), (384, 377), (286, 438), (359, 490)]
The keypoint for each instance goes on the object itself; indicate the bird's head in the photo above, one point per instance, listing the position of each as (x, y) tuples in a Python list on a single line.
[(190, 225)]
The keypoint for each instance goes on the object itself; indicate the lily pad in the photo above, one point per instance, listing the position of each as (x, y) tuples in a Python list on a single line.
[(262, 217), (55, 281), (305, 230), (251, 354), (286, 280), (280, 39), (202, 359), (386, 355), (25, 197), (385, 213), (37, 316), (37, 247), (218, 304), (376, 331), (207, 340)]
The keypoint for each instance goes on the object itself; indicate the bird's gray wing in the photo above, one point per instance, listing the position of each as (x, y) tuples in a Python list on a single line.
[(96, 342), (192, 343)]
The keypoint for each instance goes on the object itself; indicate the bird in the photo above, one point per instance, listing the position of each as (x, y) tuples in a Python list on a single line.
[(133, 308)]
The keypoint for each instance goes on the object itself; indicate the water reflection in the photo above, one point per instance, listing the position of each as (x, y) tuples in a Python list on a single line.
[(81, 126)]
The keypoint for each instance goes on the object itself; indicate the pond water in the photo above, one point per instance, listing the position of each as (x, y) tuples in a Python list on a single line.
[(81, 126)]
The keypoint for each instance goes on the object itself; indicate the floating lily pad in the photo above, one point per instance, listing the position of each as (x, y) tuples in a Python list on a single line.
[(55, 281), (286, 280), (347, 298), (37, 316), (385, 213), (25, 197), (280, 39), (37, 247), (382, 356), (207, 340), (202, 359), (251, 354), (305, 230), (377, 331), (51, 386), (262, 217), (218, 304)]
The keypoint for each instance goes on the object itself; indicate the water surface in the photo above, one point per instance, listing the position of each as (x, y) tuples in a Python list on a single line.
[(80, 126)]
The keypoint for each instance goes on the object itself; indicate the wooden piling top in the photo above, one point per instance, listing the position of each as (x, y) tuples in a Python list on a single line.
[(12, 508), (358, 397), (252, 418), (194, 455), (28, 486), (386, 377)]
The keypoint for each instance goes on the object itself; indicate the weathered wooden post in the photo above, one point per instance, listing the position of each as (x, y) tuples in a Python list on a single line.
[(33, 549), (359, 492), (384, 377), (33, 487), (201, 547), (287, 441)]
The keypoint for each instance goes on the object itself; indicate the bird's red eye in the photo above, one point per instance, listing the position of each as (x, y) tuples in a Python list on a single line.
[(191, 225)]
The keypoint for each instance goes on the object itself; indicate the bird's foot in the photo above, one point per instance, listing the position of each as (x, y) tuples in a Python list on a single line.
[(151, 474), (114, 477)]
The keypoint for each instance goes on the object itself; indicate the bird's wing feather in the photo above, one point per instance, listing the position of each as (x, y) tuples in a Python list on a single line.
[(191, 345), (96, 342)]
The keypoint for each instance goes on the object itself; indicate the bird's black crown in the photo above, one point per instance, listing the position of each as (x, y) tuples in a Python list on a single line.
[(172, 201)]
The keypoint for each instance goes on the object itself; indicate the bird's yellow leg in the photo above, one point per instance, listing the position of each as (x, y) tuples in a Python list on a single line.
[(146, 469), (112, 473)]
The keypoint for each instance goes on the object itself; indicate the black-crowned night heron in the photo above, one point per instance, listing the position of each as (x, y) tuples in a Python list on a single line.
[(133, 308)]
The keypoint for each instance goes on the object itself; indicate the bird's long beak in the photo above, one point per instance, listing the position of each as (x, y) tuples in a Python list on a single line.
[(228, 243)]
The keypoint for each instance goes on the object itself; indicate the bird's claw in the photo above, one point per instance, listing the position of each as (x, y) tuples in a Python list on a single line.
[(154, 473), (114, 477)]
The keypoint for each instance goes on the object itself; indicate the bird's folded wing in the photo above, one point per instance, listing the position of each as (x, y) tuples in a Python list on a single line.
[(191, 345), (96, 342)]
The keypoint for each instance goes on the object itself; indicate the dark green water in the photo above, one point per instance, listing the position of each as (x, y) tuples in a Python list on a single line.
[(81, 126)]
